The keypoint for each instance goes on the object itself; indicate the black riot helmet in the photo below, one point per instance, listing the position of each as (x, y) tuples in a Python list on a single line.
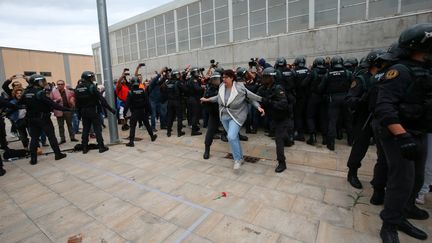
[(351, 62), (268, 75), (135, 82), (394, 53), (219, 69), (194, 72), (417, 38), (371, 57), (300, 61), (241, 73), (215, 79), (88, 76), (37, 80), (319, 62), (175, 74), (337, 62), (280, 62)]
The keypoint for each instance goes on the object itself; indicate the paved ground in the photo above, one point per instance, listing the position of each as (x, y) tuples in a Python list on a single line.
[(165, 192)]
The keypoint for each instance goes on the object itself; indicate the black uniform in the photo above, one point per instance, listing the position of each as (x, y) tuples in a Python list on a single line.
[(213, 111), (88, 103), (276, 105), (38, 115), (174, 92), (195, 92), (285, 77), (302, 77), (404, 97), (139, 104), (335, 86), (316, 107)]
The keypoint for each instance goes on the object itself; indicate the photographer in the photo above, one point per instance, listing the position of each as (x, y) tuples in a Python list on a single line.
[(122, 91)]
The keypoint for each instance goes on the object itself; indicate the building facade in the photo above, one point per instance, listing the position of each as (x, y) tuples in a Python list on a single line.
[(193, 32), (53, 65)]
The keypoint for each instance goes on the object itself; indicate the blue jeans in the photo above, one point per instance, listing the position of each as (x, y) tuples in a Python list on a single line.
[(232, 129), (158, 110), (75, 122)]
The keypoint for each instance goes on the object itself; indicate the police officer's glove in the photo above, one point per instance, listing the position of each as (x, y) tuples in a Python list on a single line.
[(408, 147)]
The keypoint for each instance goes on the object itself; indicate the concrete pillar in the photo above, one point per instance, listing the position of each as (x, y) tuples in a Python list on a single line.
[(67, 69)]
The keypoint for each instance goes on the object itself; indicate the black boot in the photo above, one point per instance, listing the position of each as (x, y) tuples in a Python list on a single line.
[(60, 156), (206, 152), (153, 137), (409, 229), (33, 161), (299, 137), (378, 197), (169, 133), (324, 140), (331, 146), (243, 137), (130, 144), (103, 149), (85, 149), (196, 133), (181, 133), (2, 171), (281, 167), (417, 213), (389, 233), (224, 137), (312, 139), (353, 179)]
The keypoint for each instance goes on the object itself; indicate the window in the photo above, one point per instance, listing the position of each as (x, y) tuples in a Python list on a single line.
[(207, 22), (352, 10), (326, 12), (133, 42), (194, 26), (160, 35), (142, 38), (257, 18), (151, 40), (119, 46), (182, 29), (415, 5), (382, 8), (112, 40), (276, 16), (221, 16), (240, 20), (29, 73), (170, 32), (298, 16), (126, 44)]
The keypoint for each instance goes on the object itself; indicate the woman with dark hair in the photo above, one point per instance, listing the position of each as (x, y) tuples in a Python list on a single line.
[(233, 98)]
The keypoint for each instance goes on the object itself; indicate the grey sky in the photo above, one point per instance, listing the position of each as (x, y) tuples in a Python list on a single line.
[(61, 25)]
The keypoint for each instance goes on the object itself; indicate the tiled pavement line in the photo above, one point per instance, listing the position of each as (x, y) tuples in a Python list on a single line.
[(71, 203), (24, 212), (189, 230)]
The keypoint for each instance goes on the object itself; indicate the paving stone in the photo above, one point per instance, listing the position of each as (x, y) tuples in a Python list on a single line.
[(155, 203), (332, 182), (290, 224), (301, 189), (208, 224), (184, 215), (37, 238), (10, 214), (27, 193), (232, 187), (233, 230), (164, 183), (191, 238), (285, 239), (43, 205), (144, 227), (18, 231), (196, 194), (271, 198), (265, 181), (330, 233), (95, 232), (85, 198), (63, 222), (343, 199), (320, 211), (239, 208)]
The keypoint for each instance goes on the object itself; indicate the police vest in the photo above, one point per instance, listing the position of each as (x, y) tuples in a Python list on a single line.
[(138, 98), (338, 81), (285, 78), (172, 90), (317, 76), (32, 98), (86, 95)]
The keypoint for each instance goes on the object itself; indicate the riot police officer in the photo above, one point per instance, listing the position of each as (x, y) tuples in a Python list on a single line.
[(174, 91), (5, 104), (275, 103), (88, 103), (302, 76), (138, 101), (351, 64), (195, 92), (285, 77), (404, 111), (357, 102), (316, 107), (212, 89), (335, 86), (38, 113)]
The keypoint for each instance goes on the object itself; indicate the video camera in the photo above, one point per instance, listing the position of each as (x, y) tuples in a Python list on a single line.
[(253, 62), (213, 63)]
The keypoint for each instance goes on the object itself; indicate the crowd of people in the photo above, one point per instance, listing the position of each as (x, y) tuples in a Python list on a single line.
[(385, 99)]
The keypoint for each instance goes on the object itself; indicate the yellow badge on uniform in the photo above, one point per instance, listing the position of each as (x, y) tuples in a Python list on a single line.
[(353, 84), (391, 74)]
